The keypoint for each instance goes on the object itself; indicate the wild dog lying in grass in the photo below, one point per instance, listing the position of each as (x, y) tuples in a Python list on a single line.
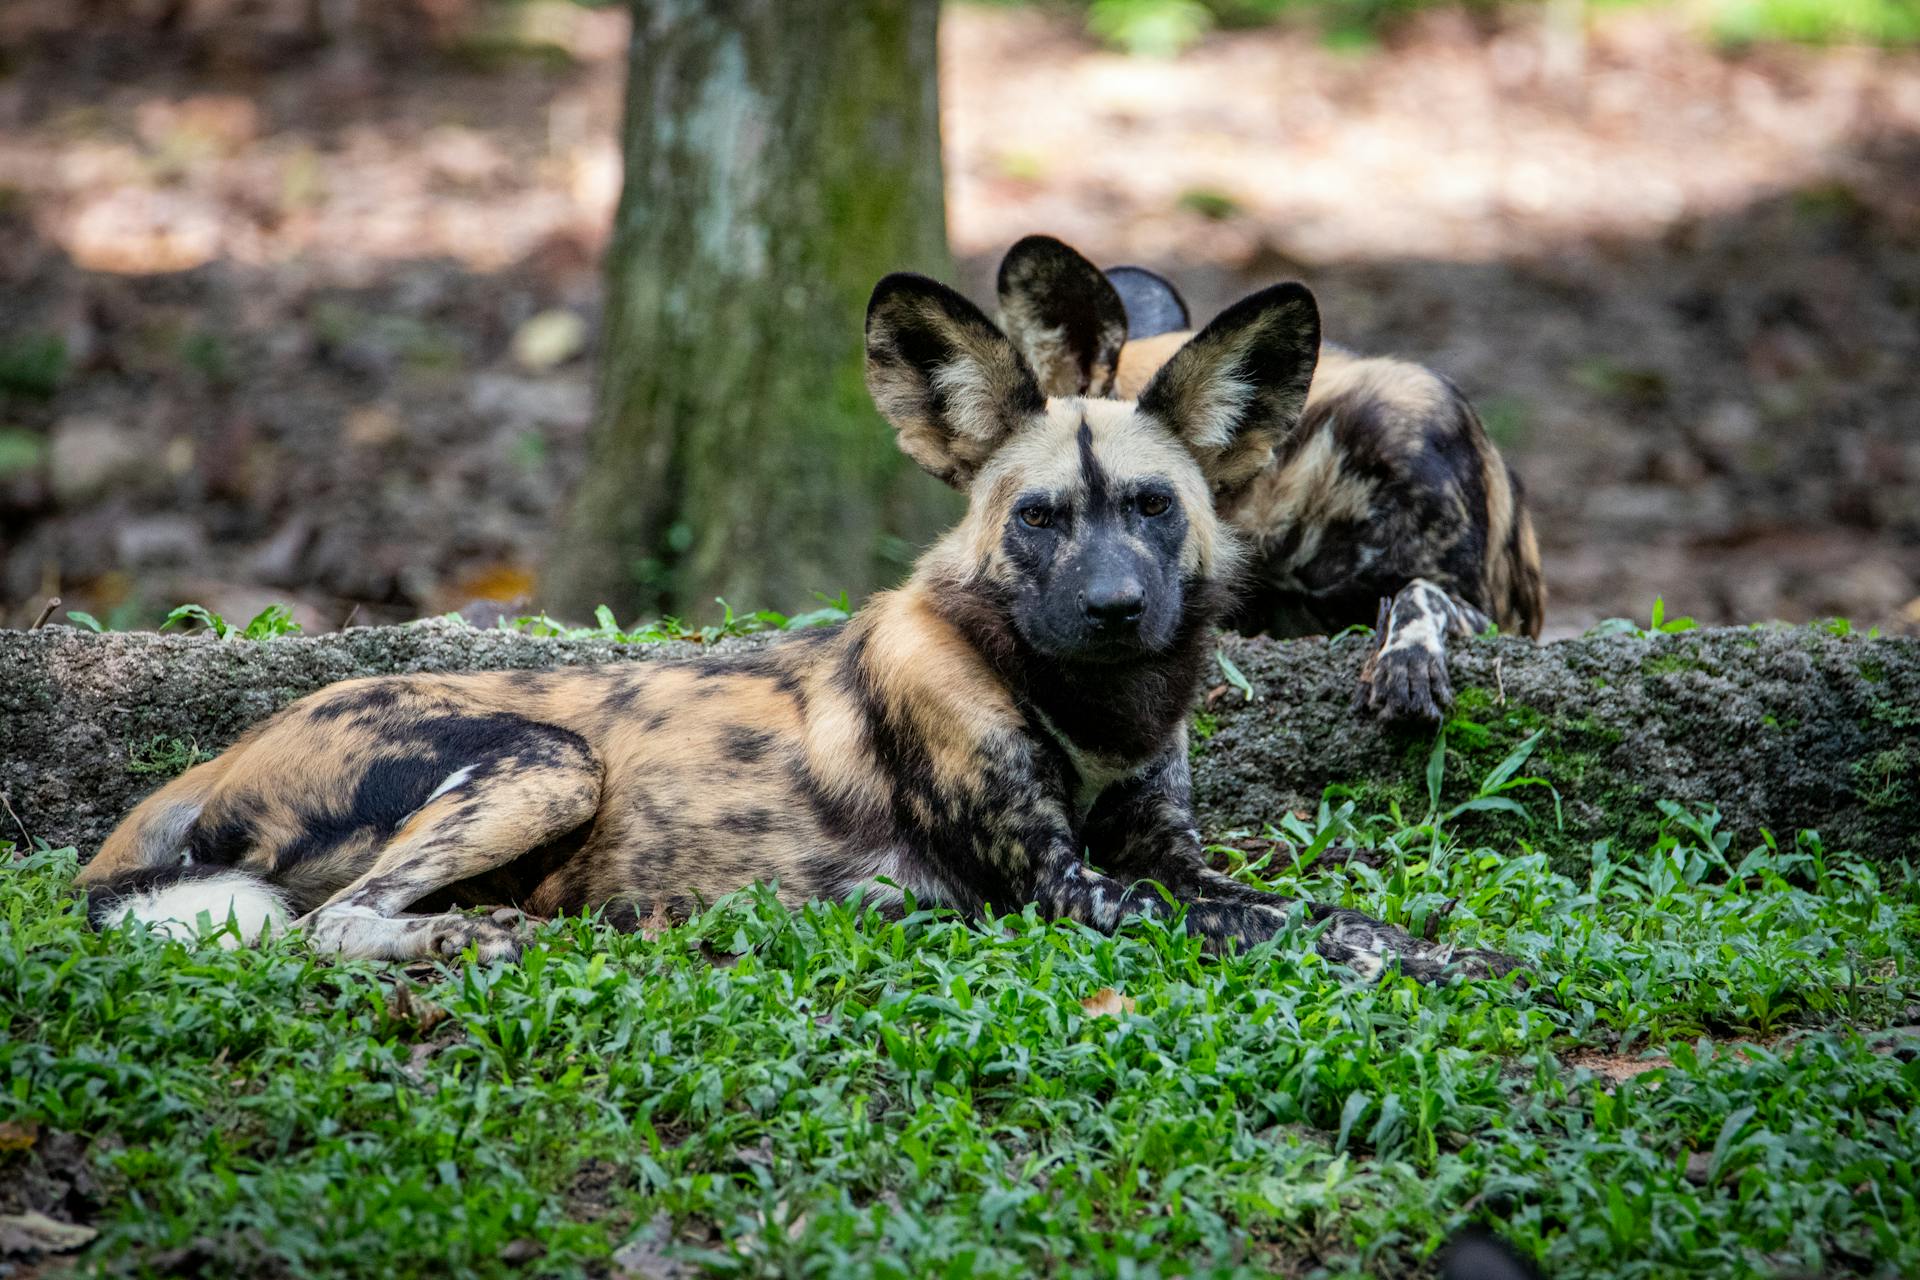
[(1388, 506), (1022, 698)]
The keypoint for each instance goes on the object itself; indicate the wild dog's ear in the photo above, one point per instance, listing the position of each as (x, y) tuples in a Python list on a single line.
[(1063, 315), (1475, 1253), (950, 383), (1153, 305), (1239, 386)]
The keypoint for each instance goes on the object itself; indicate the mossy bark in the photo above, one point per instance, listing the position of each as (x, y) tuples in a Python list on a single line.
[(1781, 729), (781, 156)]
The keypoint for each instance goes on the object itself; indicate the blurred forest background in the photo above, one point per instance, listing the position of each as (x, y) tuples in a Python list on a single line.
[(302, 300)]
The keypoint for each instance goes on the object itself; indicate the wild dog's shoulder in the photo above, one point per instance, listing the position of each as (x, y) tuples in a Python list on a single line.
[(1398, 394), (925, 655), (1380, 421)]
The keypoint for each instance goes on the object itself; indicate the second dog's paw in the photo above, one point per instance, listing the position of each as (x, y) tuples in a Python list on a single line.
[(1405, 683)]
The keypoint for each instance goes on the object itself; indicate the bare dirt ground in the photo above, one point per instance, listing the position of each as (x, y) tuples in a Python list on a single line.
[(294, 286)]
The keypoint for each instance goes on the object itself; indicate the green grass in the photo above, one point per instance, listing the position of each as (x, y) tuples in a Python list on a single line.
[(833, 609), (826, 1093), (271, 622), (1162, 28), (165, 755)]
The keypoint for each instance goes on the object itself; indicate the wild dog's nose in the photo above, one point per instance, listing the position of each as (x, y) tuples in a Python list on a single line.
[(1114, 600)]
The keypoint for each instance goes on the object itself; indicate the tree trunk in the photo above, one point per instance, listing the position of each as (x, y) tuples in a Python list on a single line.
[(1783, 729), (781, 156)]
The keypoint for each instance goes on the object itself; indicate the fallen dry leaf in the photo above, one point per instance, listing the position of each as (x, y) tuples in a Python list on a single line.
[(373, 426), (548, 340), (656, 923), (404, 1006), (18, 1135), (1107, 1003), (1615, 1067), (522, 1250), (30, 1233), (644, 1257)]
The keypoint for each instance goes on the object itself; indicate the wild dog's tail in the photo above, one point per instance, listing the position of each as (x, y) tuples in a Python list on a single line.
[(146, 870), (173, 899), (159, 831)]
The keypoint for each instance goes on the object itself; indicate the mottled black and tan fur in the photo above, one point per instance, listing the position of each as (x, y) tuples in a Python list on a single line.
[(1389, 506), (967, 738)]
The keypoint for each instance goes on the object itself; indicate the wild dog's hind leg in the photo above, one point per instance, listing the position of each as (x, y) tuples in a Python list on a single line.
[(1406, 676), (480, 819)]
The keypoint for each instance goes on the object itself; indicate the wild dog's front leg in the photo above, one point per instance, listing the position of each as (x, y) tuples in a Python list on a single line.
[(1143, 829), (1406, 675), (1240, 915), (485, 820), (1066, 887)]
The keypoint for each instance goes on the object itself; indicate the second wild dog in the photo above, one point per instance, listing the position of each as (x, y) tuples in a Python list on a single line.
[(1021, 700), (1389, 505)]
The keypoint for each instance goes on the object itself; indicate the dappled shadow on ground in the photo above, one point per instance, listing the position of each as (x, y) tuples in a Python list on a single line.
[(1684, 288), (276, 307)]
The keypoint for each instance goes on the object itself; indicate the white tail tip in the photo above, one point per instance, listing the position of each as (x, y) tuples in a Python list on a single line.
[(175, 907)]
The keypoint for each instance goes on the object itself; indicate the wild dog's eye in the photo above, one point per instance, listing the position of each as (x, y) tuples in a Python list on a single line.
[(1036, 517), (1154, 504)]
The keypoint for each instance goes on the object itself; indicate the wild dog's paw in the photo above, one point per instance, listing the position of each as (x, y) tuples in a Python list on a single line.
[(490, 941), (1406, 682), (1370, 947), (1474, 964), (1432, 963), (1406, 676)]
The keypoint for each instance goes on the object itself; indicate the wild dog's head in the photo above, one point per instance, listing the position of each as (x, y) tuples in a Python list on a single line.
[(1093, 520), (1085, 331)]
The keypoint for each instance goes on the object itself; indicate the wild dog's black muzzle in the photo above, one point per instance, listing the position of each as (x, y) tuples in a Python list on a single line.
[(1114, 602), (1111, 598)]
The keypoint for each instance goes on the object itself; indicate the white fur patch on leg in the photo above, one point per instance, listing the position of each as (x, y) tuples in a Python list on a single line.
[(175, 909), (361, 933)]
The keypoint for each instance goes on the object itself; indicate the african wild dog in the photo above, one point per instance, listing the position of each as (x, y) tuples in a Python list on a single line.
[(1388, 506), (1023, 697)]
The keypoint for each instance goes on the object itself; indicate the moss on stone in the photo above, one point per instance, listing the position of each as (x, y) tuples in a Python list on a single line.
[(1886, 779), (1669, 664)]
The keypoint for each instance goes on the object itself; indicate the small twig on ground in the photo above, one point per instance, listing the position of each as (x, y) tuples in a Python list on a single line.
[(351, 615), (1436, 917), (1344, 855), (7, 801), (1499, 684), (41, 621)]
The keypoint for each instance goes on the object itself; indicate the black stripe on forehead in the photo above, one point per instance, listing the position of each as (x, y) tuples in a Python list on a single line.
[(1097, 495)]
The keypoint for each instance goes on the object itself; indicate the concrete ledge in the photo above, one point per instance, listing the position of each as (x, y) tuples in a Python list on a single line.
[(1780, 728)]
